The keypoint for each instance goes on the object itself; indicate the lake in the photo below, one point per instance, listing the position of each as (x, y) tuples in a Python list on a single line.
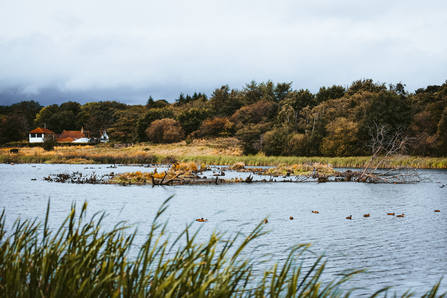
[(408, 252)]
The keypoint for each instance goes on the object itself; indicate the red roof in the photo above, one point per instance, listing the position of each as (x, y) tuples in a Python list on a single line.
[(68, 140), (74, 134), (41, 130)]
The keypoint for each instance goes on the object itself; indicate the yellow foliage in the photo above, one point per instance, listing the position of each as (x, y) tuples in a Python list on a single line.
[(159, 175)]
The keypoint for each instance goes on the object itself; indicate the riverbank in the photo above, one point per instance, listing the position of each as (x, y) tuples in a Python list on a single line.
[(210, 152)]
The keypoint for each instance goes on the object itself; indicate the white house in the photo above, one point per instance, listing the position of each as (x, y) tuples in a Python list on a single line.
[(37, 135)]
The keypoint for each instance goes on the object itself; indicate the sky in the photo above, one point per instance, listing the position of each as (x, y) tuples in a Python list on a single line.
[(54, 51)]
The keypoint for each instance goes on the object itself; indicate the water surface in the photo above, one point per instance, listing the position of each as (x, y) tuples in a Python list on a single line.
[(405, 252)]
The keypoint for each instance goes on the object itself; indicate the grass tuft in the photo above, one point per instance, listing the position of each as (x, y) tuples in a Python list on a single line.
[(79, 259)]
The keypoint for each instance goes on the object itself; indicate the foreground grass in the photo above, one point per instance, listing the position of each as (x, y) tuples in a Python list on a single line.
[(211, 152), (81, 260)]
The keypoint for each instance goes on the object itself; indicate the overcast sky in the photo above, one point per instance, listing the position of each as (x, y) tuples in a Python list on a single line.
[(53, 51)]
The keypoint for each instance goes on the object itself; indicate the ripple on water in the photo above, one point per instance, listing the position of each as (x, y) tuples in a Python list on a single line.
[(405, 252)]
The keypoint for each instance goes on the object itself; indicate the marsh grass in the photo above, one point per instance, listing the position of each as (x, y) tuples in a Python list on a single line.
[(211, 152), (80, 259)]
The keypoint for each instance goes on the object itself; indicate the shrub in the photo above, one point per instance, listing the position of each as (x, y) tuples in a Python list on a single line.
[(49, 141), (165, 131)]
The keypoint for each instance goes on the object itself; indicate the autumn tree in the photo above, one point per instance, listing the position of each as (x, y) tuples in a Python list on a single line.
[(216, 127), (146, 120), (165, 131), (254, 113), (299, 145), (442, 135), (365, 85), (341, 139)]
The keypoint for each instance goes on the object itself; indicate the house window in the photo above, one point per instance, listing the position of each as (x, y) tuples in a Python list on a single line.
[(39, 135), (33, 135)]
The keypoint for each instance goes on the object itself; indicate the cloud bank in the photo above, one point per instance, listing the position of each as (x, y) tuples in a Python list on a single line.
[(127, 50)]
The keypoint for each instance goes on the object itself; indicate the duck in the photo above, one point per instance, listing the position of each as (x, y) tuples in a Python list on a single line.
[(390, 214), (366, 215), (316, 212), (201, 220), (349, 217), (291, 218), (401, 215), (437, 210), (266, 221)]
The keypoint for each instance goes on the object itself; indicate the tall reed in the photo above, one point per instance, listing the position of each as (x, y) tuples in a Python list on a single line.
[(79, 259)]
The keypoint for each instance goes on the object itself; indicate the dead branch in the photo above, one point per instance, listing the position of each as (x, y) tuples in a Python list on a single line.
[(170, 180), (383, 145)]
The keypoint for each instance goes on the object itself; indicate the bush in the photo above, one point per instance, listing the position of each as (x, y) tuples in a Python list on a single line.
[(165, 131), (49, 141)]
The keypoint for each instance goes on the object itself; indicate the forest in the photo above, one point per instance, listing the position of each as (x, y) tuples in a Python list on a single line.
[(273, 119)]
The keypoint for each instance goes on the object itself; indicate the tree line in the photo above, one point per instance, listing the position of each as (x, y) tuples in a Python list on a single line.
[(267, 117)]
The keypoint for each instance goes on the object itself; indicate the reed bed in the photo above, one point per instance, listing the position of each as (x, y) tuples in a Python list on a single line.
[(211, 153), (80, 259)]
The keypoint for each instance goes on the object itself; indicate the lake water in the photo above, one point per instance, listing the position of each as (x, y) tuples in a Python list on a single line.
[(407, 252)]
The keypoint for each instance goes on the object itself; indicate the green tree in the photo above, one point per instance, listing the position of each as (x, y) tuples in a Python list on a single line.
[(225, 103), (123, 131), (300, 99), (251, 93), (27, 109), (62, 120), (388, 108), (251, 137), (192, 118), (275, 142), (43, 117), (13, 128), (71, 106), (282, 90), (98, 116), (325, 94)]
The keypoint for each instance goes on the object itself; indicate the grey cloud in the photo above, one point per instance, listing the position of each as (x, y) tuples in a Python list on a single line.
[(94, 49)]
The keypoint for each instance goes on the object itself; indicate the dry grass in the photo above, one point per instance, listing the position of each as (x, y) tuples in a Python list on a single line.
[(222, 151)]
